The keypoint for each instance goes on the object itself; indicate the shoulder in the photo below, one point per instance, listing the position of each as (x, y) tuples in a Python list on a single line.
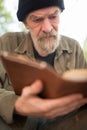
[(11, 40), (69, 43), (68, 40), (12, 35)]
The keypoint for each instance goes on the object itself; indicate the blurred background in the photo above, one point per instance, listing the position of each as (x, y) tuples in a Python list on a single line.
[(73, 20)]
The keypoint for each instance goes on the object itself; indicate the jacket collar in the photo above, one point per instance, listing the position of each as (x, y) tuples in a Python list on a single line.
[(25, 46), (63, 46)]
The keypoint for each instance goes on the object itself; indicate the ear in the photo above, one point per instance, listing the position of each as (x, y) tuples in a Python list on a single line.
[(26, 25)]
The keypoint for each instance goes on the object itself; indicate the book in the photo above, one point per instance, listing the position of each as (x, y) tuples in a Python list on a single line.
[(23, 71)]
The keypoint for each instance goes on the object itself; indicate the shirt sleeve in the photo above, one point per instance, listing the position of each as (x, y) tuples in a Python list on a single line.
[(7, 101), (7, 95)]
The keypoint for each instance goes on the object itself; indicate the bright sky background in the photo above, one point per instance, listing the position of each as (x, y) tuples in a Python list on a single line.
[(73, 19)]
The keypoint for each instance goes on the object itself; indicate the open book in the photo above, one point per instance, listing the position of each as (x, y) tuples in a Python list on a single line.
[(23, 72)]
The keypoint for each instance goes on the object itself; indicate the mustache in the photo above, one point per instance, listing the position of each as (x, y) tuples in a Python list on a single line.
[(45, 35)]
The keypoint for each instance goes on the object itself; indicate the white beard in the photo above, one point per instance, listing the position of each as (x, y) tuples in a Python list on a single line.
[(46, 45)]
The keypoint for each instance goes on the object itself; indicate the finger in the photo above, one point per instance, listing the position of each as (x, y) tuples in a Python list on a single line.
[(71, 107), (61, 111), (33, 89), (63, 101)]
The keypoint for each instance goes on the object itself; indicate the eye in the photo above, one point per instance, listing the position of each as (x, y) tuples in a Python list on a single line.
[(52, 17), (38, 20)]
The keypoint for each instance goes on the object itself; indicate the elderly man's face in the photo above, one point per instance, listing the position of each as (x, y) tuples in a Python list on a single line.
[(43, 25)]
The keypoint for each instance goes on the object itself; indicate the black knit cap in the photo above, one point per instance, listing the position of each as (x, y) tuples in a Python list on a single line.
[(27, 6)]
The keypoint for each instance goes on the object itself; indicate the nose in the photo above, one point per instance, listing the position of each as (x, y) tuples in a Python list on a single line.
[(47, 26)]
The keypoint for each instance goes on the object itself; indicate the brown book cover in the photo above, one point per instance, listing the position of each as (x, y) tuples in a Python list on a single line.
[(22, 72)]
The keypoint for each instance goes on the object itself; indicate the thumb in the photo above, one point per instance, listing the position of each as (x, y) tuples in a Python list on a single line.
[(33, 89)]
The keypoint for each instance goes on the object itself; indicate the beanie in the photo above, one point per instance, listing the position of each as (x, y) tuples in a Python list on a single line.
[(27, 6)]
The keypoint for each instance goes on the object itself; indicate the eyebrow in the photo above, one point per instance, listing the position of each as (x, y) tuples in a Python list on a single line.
[(35, 17)]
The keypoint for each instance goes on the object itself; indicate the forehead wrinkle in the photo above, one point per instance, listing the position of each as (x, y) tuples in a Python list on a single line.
[(34, 16)]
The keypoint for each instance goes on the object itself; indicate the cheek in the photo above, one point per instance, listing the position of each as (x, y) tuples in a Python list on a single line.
[(35, 31), (56, 27), (56, 24)]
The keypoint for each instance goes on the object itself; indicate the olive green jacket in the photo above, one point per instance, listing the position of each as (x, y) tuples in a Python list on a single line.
[(69, 56)]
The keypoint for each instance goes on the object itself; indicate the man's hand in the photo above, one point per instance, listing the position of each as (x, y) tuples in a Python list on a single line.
[(29, 104)]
